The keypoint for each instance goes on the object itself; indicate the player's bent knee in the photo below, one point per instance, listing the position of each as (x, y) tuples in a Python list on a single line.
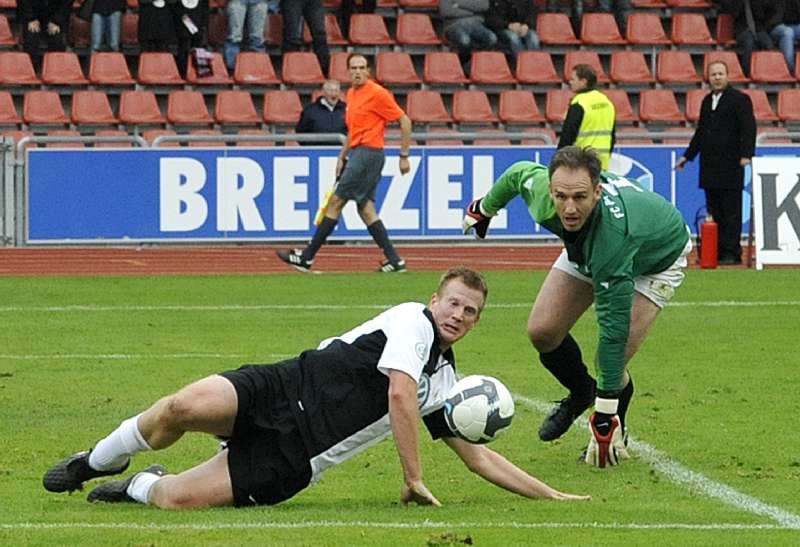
[(167, 494), (543, 339)]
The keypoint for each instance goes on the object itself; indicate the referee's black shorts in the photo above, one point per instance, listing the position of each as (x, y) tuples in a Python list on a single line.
[(267, 458)]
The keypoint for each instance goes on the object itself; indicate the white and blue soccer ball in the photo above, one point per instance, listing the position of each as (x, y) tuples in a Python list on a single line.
[(479, 409)]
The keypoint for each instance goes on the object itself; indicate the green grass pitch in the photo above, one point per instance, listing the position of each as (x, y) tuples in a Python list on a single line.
[(716, 457)]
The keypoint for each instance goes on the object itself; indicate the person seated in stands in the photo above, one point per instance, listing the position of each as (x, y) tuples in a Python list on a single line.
[(465, 26), (43, 19), (513, 22), (325, 115)]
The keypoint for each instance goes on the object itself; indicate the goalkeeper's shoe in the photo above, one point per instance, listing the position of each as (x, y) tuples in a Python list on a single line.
[(117, 491), (294, 257), (70, 473), (562, 415)]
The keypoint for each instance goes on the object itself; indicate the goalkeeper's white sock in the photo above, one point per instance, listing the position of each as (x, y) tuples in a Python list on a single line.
[(140, 486), (118, 446)]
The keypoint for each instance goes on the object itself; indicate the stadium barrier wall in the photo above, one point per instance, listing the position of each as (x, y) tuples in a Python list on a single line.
[(776, 184)]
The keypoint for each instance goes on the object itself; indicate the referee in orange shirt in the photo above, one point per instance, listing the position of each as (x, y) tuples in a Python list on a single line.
[(369, 108)]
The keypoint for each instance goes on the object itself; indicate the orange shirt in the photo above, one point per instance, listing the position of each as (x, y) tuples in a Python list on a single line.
[(369, 108)]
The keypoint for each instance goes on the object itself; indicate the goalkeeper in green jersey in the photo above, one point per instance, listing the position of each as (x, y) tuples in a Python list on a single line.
[(624, 250)]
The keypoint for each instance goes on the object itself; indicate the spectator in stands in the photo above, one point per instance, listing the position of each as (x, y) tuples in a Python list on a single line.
[(725, 138), (591, 117), (346, 11), (752, 26), (788, 30), (156, 31), (513, 22), (465, 26), (620, 8), (191, 28), (43, 18), (239, 11), (325, 115), (294, 11), (106, 24)]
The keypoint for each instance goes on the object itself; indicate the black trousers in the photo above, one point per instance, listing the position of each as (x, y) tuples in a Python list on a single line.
[(294, 11), (726, 208)]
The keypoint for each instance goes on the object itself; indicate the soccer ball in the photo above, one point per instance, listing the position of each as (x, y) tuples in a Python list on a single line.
[(479, 408)]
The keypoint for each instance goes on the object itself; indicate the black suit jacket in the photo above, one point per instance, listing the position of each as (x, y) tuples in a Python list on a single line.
[(722, 138)]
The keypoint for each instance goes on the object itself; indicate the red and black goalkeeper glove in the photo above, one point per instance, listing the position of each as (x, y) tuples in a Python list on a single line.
[(474, 219)]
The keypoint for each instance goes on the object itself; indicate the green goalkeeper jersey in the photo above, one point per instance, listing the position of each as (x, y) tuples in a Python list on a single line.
[(631, 232)]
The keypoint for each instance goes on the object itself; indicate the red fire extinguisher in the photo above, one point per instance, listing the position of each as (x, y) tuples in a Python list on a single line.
[(708, 243)]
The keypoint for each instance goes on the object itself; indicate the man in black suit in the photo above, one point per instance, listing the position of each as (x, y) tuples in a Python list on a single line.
[(725, 138)]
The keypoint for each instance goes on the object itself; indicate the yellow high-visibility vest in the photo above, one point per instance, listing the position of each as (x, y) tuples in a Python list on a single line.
[(597, 125)]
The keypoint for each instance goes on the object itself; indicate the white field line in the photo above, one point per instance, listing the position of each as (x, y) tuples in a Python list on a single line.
[(136, 356), (312, 307), (418, 525), (680, 474)]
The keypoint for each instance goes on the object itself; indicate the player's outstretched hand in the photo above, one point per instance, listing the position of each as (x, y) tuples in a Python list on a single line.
[(606, 445), (563, 496), (474, 219), (418, 493)]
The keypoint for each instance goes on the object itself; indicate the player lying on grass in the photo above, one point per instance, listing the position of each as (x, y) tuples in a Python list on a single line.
[(287, 423), (625, 249)]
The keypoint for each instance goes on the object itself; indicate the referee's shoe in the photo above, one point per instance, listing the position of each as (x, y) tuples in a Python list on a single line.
[(70, 473), (393, 267), (294, 257)]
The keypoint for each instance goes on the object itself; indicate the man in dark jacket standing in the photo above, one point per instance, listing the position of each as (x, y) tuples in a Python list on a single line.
[(325, 115), (725, 138)]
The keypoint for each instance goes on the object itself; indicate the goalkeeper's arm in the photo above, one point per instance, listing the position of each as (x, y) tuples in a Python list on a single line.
[(476, 219)]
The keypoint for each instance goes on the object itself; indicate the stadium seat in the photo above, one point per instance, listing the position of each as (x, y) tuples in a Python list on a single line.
[(333, 31), (130, 30), (676, 67), (91, 107), (273, 29), (659, 105), (536, 67), (7, 37), (557, 104), (773, 140), (676, 136), (338, 69), (253, 143), (8, 112), (519, 106), (600, 29), (622, 105), (699, 4), (694, 100), (151, 134), (443, 67), (282, 107), (301, 68), (769, 67), (235, 108), (646, 29), (724, 34), (416, 29), (472, 107), (479, 141), (16, 69), (490, 68), (369, 29), (207, 144), (426, 106), (629, 67), (64, 133), (649, 4), (443, 141), (79, 31), (158, 68), (735, 72), (395, 68), (419, 4), (139, 108), (112, 133), (218, 77), (187, 108), (43, 108), (797, 65), (62, 68), (584, 57), (254, 68), (761, 108), (789, 105), (555, 29), (217, 29), (690, 29), (109, 68), (622, 137)]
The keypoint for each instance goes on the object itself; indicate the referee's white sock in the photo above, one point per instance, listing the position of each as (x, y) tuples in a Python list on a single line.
[(140, 486), (122, 443)]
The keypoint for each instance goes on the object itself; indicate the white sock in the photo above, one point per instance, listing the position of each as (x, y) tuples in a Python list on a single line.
[(118, 446), (139, 488)]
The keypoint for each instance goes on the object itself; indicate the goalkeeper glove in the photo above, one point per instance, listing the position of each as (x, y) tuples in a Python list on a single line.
[(606, 445), (475, 219)]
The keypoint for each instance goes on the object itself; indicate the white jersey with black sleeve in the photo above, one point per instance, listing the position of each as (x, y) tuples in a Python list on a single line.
[(342, 404)]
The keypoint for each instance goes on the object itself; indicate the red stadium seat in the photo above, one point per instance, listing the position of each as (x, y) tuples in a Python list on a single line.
[(207, 144), (91, 107), (646, 28), (735, 72), (659, 105), (676, 66), (584, 57), (426, 106), (66, 144), (690, 29), (701, 4), (443, 141), (369, 29), (112, 133), (761, 108), (443, 67), (16, 69), (254, 68), (472, 107), (7, 38), (43, 108), (536, 67), (333, 31), (769, 67), (395, 68), (338, 69), (416, 29), (789, 105), (187, 108), (158, 68), (254, 143), (282, 107), (555, 29), (151, 134), (519, 106), (629, 67), (622, 105), (773, 140), (694, 99), (139, 108), (235, 108), (649, 4), (488, 141), (600, 29), (420, 4), (62, 68), (79, 31), (130, 30), (490, 68), (301, 68), (219, 73), (557, 104), (725, 36), (217, 29), (109, 68), (8, 112), (273, 29), (622, 137)]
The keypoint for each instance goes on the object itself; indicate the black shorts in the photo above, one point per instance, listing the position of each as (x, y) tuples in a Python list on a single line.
[(267, 459), (361, 176)]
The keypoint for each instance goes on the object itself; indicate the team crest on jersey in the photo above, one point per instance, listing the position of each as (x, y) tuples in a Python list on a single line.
[(423, 390), (422, 351)]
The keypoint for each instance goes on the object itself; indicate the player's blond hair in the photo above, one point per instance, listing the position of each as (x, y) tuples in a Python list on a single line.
[(469, 277)]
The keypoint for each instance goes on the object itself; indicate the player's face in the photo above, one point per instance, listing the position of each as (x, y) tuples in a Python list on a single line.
[(717, 76), (455, 311), (574, 196), (359, 70)]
